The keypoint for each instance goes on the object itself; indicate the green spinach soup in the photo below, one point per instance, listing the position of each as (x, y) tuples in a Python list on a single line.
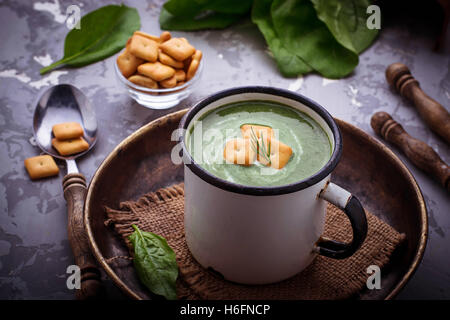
[(309, 144)]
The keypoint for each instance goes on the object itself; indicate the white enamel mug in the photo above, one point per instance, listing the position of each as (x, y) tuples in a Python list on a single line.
[(260, 235)]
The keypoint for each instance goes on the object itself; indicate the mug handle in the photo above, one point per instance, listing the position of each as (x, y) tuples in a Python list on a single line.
[(344, 200)]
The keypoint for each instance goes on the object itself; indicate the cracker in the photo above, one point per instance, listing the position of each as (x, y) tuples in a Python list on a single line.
[(280, 154), (127, 45), (168, 60), (156, 70), (67, 130), (177, 49), (197, 55), (68, 147), (146, 35), (144, 48), (169, 83), (192, 69), (180, 75), (165, 36), (41, 167), (128, 63), (246, 130), (143, 81), (239, 151)]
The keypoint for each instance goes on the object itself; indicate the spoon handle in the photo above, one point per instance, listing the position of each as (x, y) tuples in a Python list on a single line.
[(91, 287), (435, 115), (420, 153)]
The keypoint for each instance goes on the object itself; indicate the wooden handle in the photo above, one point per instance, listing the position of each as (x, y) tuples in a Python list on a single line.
[(74, 185), (420, 153), (431, 111)]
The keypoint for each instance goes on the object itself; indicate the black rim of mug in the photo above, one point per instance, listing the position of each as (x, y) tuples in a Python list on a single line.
[(256, 190)]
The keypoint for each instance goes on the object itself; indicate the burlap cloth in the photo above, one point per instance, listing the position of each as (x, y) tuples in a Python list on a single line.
[(161, 212)]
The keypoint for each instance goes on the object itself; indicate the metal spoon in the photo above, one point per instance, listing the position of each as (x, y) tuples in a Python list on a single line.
[(66, 103)]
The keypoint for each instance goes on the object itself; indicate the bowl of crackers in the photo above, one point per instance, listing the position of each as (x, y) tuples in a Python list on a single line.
[(158, 72)]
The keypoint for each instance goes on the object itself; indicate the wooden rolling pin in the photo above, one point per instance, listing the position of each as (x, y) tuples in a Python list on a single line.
[(434, 114), (420, 153)]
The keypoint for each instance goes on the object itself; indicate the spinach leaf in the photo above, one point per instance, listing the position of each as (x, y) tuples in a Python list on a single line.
[(300, 31), (347, 22), (303, 35), (288, 63), (155, 263), (209, 20), (103, 32), (202, 14), (230, 6), (195, 7)]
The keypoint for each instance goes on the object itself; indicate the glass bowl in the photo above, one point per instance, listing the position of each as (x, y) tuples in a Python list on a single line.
[(158, 98)]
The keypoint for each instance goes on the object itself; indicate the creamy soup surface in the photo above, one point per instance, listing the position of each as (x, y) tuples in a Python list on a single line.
[(310, 144)]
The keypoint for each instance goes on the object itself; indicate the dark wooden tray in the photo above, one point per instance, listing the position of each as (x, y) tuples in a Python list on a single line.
[(141, 163)]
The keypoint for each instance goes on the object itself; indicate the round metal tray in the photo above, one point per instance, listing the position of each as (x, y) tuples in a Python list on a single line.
[(141, 163)]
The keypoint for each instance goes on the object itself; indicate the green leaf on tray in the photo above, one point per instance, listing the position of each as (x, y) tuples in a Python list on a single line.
[(155, 263), (301, 32), (347, 22), (103, 32), (289, 63)]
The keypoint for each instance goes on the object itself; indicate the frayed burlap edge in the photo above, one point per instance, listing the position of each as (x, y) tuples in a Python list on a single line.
[(123, 221)]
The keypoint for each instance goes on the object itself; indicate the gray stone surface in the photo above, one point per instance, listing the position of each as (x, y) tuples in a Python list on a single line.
[(34, 250)]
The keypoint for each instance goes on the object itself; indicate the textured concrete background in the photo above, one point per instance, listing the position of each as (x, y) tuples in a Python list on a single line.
[(34, 250)]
